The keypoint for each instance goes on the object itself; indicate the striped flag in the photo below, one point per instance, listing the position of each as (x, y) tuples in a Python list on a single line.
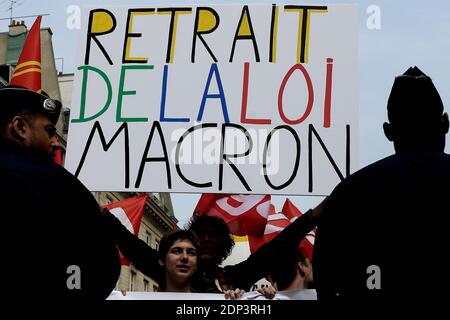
[(244, 214), (276, 222), (28, 70), (129, 211)]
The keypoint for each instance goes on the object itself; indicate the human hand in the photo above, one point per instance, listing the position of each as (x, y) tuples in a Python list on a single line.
[(317, 211), (233, 294), (124, 291), (269, 292)]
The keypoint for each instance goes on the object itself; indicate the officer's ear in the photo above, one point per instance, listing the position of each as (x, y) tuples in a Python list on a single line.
[(444, 123), (21, 127), (388, 132)]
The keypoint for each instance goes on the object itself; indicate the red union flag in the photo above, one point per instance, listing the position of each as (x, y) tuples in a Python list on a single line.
[(129, 211), (244, 214), (58, 154), (28, 70), (276, 222), (307, 245)]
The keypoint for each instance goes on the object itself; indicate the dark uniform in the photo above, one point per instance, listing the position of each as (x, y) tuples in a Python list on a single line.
[(383, 234), (54, 243), (392, 215)]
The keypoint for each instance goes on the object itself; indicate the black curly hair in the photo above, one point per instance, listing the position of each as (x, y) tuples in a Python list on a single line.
[(169, 239), (197, 224)]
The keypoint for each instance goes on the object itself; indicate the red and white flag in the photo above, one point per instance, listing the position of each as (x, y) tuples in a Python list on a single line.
[(129, 211), (307, 244), (244, 214), (58, 154), (28, 69), (276, 222)]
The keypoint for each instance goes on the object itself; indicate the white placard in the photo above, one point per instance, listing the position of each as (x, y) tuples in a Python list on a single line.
[(221, 99), (305, 294)]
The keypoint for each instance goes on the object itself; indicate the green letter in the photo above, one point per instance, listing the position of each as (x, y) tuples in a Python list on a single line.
[(83, 94), (122, 93)]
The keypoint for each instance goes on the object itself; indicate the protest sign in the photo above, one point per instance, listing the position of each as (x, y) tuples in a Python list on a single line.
[(215, 99)]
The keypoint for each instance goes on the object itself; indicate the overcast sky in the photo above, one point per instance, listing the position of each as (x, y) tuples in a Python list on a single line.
[(412, 32)]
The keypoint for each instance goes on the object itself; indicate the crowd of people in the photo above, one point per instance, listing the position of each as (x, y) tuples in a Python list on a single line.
[(377, 232)]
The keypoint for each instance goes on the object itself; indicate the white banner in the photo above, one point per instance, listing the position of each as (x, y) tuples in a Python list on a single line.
[(306, 294), (220, 99)]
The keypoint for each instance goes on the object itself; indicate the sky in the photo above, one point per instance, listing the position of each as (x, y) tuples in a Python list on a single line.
[(408, 33)]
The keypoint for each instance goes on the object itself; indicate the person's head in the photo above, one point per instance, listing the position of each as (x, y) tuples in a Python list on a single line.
[(294, 273), (178, 256), (29, 119), (216, 242), (415, 113)]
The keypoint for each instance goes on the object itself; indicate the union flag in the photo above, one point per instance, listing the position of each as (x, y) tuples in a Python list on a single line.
[(129, 211), (276, 222), (244, 214), (27, 73)]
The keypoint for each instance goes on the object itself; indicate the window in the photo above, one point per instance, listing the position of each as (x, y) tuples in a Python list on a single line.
[(132, 280), (146, 285), (65, 120), (109, 198), (148, 238), (156, 195)]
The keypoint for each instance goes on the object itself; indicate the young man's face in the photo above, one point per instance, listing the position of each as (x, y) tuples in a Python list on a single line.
[(181, 261), (209, 242), (41, 136)]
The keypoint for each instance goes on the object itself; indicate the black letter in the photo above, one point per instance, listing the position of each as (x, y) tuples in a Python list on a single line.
[(245, 37), (106, 146), (198, 33), (333, 163), (93, 35), (177, 154), (224, 156), (297, 157), (145, 159), (173, 12)]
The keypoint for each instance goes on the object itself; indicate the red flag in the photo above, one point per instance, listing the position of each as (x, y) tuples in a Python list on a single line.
[(129, 211), (244, 214), (276, 222), (307, 244), (58, 154), (290, 210), (58, 157), (256, 242), (28, 70)]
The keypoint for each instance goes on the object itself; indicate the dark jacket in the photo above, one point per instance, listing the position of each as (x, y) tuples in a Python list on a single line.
[(52, 222), (383, 233)]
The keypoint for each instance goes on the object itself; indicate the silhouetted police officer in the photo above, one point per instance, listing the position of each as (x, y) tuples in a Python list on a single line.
[(56, 246)]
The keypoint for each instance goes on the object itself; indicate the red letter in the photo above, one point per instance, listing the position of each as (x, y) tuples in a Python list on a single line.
[(327, 102), (310, 95), (244, 118)]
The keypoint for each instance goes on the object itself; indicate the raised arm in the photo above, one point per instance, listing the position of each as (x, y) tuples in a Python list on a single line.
[(141, 255)]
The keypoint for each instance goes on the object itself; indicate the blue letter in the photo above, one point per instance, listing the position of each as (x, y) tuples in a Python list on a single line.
[(162, 118), (220, 95)]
